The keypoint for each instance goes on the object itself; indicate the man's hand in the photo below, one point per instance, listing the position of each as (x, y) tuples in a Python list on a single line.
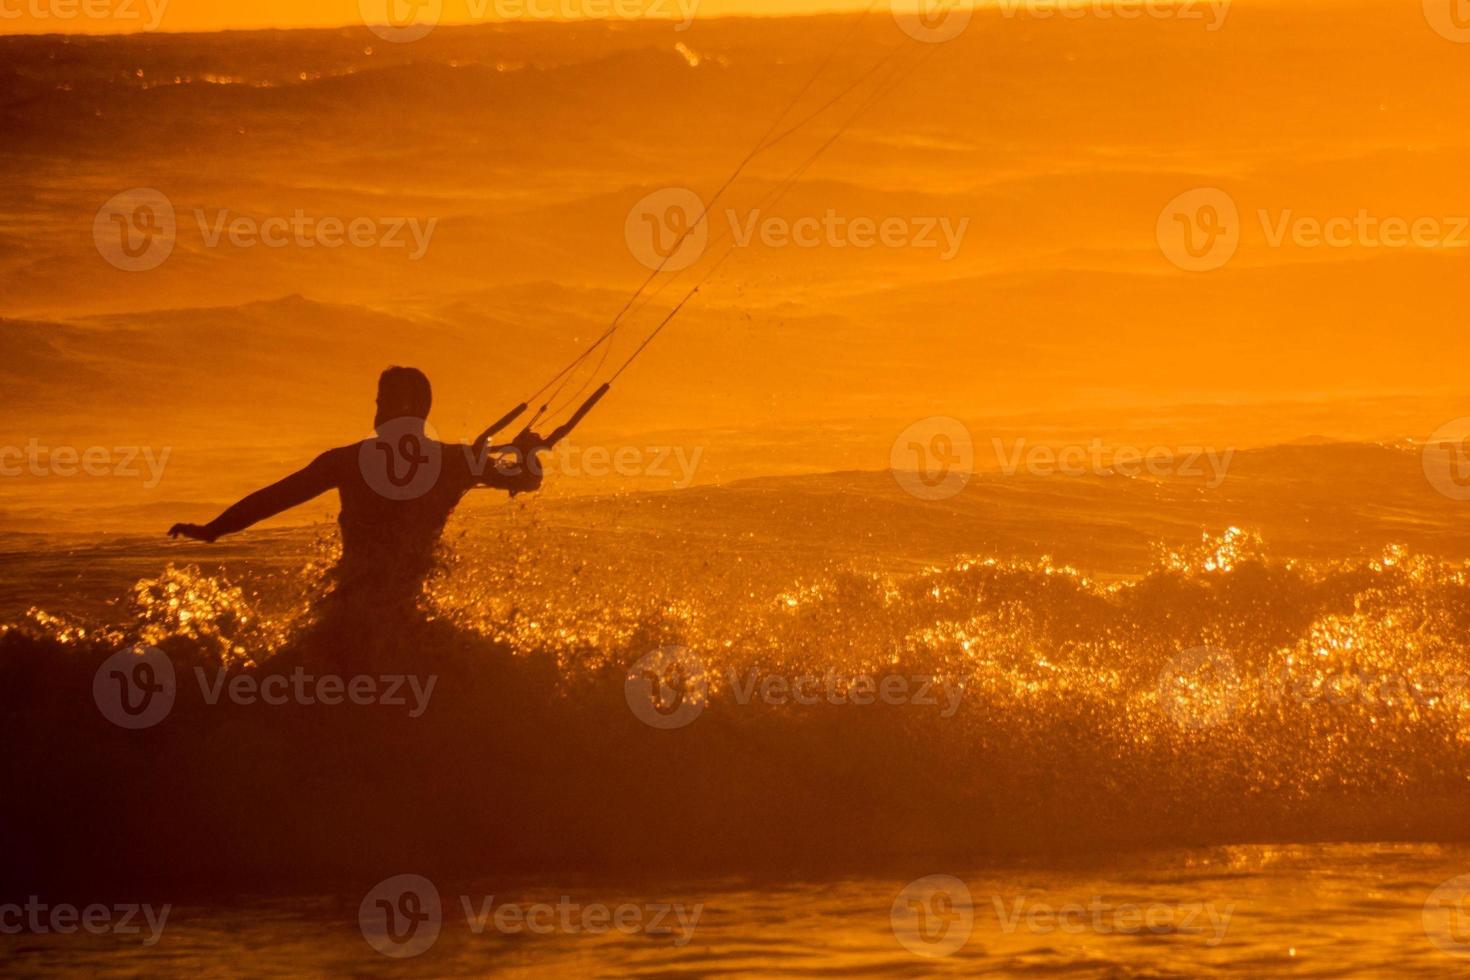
[(521, 473), (198, 532), (531, 479)]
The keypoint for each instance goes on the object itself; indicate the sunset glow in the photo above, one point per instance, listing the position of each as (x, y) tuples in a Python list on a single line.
[(746, 487)]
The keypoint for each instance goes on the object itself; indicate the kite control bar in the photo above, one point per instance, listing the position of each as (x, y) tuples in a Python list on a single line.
[(494, 430), (576, 420), (528, 444)]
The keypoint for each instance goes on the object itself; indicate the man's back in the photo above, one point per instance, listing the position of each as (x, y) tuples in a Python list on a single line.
[(395, 503)]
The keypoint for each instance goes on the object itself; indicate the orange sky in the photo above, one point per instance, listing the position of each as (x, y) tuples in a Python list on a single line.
[(112, 16)]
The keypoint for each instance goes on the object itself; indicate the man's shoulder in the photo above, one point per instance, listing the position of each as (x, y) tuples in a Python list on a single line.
[(458, 457), (341, 462), (342, 454)]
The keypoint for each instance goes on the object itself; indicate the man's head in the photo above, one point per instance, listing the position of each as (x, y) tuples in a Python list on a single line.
[(403, 393)]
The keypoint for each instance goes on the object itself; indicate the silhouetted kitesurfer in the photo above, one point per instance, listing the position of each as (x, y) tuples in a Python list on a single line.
[(397, 492)]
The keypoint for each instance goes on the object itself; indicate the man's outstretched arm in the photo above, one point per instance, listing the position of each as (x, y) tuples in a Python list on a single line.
[(293, 491)]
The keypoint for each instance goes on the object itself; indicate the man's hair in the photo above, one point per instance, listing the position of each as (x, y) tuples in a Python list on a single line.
[(405, 392)]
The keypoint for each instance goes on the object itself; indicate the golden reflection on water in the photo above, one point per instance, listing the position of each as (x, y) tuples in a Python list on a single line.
[(1247, 910)]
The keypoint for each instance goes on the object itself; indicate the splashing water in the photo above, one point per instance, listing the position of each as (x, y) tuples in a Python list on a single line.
[(1225, 695)]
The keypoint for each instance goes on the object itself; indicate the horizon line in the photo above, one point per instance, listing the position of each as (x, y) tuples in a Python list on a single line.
[(818, 9), (448, 24)]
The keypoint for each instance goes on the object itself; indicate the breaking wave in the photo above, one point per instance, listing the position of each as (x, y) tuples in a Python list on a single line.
[(596, 708)]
